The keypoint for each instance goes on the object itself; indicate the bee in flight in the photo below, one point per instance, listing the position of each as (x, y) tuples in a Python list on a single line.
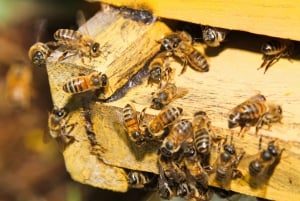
[(76, 43), (132, 124), (180, 45), (93, 81), (263, 164), (213, 36), (273, 50), (166, 95), (58, 126), (255, 111)]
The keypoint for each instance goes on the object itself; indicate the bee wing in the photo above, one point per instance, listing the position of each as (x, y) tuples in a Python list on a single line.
[(80, 18)]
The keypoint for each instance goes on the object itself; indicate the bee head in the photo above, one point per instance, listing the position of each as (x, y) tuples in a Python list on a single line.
[(95, 51)]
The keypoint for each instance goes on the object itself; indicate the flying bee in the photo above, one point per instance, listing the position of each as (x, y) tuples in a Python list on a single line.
[(162, 120), (263, 165), (58, 126), (273, 50), (76, 43), (132, 122), (80, 84), (247, 113), (180, 45), (38, 54), (226, 166), (19, 90), (213, 36), (138, 179), (159, 69), (179, 133), (165, 95)]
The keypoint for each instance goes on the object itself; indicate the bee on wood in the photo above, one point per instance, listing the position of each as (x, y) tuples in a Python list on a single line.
[(263, 165), (143, 16), (213, 36), (76, 43), (58, 126), (226, 166), (80, 84), (159, 69), (132, 124), (166, 117), (138, 179), (166, 188), (19, 90), (273, 50), (38, 54), (180, 45), (165, 95), (179, 133)]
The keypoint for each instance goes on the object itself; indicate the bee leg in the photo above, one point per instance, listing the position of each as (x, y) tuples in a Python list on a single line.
[(272, 61), (184, 67), (236, 174)]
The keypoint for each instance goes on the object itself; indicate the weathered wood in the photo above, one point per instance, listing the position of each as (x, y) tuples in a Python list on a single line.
[(273, 18), (232, 78)]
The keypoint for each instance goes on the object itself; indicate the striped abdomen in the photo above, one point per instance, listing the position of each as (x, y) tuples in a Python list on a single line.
[(130, 120), (252, 110), (197, 61), (76, 85), (273, 47), (67, 35), (202, 141)]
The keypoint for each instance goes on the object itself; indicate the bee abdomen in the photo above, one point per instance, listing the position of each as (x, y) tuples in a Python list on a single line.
[(202, 141), (221, 173), (171, 115), (76, 85), (67, 34), (198, 61), (273, 47)]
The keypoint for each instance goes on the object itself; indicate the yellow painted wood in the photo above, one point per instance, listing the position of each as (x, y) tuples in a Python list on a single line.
[(272, 18), (232, 78)]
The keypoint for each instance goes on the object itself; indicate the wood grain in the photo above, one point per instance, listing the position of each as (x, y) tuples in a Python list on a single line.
[(272, 18), (232, 78)]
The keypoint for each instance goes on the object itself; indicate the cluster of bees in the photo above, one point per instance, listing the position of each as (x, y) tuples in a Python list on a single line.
[(184, 155)]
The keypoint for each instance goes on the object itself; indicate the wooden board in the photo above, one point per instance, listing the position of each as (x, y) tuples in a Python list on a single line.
[(272, 18), (232, 78)]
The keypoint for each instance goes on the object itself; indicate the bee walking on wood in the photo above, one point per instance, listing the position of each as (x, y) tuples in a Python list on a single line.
[(138, 179), (273, 50), (132, 124), (95, 80), (58, 126)]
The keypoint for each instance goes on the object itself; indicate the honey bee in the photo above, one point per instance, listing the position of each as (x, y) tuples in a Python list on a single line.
[(58, 126), (159, 69), (180, 45), (179, 132), (80, 84), (226, 166), (165, 95), (165, 187), (77, 43), (201, 125), (273, 50), (166, 117), (38, 54), (132, 122), (138, 179), (262, 167), (143, 16), (213, 36), (19, 90)]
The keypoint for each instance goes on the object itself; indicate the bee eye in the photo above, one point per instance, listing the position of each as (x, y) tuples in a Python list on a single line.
[(169, 145), (95, 47), (266, 155), (136, 135)]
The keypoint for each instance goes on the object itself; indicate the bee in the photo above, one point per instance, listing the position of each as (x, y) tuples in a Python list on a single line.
[(132, 122), (179, 133), (38, 54), (80, 84), (19, 90), (143, 16), (263, 165), (273, 50), (165, 187), (213, 36), (201, 125), (248, 113), (196, 173), (159, 69), (77, 43), (165, 95), (138, 179), (180, 45), (166, 117), (226, 166), (58, 126)]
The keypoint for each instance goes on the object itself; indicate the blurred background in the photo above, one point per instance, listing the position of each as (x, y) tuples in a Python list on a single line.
[(31, 164)]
